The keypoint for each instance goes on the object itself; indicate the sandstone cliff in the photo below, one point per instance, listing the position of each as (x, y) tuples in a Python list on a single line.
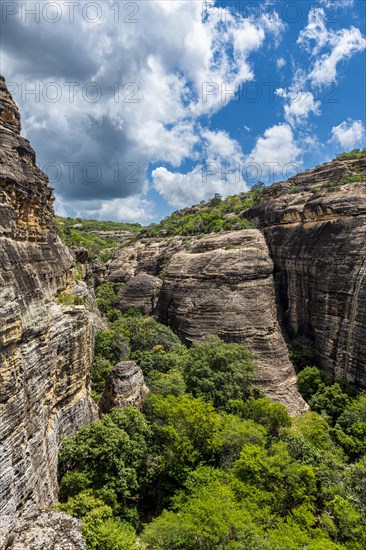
[(220, 284), (45, 347), (313, 255), (315, 227)]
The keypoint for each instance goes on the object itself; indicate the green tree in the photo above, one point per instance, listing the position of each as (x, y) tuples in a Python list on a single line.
[(113, 454), (210, 519), (330, 401), (273, 416), (159, 360), (351, 428), (112, 344), (100, 369), (308, 381), (314, 429), (290, 483), (186, 430), (217, 371), (102, 531), (170, 383), (144, 333), (107, 296)]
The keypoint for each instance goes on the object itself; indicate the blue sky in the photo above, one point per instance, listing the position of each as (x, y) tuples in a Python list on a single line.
[(138, 108)]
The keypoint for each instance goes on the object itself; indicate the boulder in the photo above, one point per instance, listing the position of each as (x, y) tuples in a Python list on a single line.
[(125, 386)]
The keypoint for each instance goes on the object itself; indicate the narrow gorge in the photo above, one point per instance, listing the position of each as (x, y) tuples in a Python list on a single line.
[(294, 269)]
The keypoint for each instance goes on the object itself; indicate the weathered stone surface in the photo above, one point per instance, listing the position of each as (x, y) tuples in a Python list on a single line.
[(147, 256), (141, 292), (41, 531), (81, 255), (317, 239), (125, 386), (220, 284), (223, 285), (45, 347)]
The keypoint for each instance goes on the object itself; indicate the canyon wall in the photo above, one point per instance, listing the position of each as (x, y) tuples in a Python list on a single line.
[(219, 284), (301, 274), (315, 227), (45, 347)]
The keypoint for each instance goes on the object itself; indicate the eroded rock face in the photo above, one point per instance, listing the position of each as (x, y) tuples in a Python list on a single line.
[(41, 531), (147, 256), (45, 347), (317, 239), (125, 386), (142, 292), (220, 284), (224, 285)]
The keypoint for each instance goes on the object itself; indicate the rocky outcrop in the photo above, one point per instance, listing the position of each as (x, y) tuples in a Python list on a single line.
[(145, 256), (220, 284), (142, 292), (224, 285), (45, 346), (125, 386), (315, 227), (41, 531)]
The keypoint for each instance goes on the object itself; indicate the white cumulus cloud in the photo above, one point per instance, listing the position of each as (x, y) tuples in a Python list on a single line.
[(220, 171), (300, 105), (276, 153), (341, 44), (349, 133), (150, 77)]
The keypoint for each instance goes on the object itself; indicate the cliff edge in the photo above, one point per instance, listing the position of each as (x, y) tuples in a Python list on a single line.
[(45, 347), (315, 228)]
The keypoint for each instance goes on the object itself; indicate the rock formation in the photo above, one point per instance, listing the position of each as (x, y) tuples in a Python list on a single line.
[(45, 347), (146, 256), (315, 227), (142, 292), (220, 284), (125, 386), (41, 531)]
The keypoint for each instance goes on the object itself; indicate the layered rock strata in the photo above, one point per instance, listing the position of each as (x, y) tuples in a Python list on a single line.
[(315, 227), (220, 284), (125, 386), (45, 346), (142, 292)]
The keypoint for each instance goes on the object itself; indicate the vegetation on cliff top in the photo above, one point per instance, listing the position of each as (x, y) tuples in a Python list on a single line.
[(100, 238), (209, 462), (352, 155), (212, 216)]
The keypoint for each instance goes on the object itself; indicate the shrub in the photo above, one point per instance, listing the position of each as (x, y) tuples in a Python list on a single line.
[(70, 300)]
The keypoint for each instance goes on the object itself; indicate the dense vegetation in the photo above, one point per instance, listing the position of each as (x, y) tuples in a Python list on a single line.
[(78, 233), (352, 155), (209, 462), (212, 216)]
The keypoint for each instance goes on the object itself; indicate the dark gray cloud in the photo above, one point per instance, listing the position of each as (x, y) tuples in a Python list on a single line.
[(45, 50), (100, 101)]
